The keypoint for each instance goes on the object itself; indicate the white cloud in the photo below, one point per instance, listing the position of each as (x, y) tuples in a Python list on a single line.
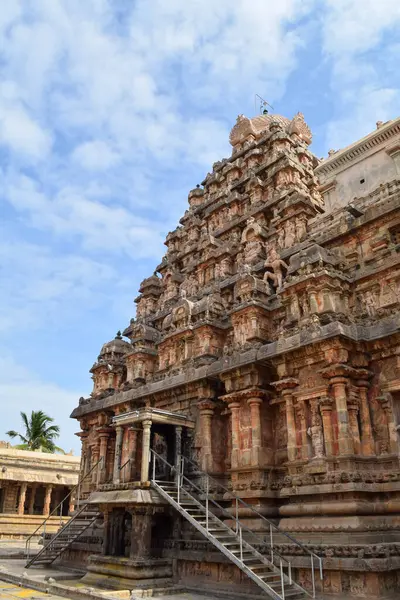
[(354, 26), (357, 39), (38, 285), (22, 390), (20, 132), (95, 155), (100, 226)]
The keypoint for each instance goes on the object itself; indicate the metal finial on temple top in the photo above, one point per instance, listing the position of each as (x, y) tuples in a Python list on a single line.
[(263, 104)]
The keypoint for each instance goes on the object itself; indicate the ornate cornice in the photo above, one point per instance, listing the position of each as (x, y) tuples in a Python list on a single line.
[(356, 151)]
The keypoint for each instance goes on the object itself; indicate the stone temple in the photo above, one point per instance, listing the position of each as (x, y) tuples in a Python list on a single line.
[(265, 352)]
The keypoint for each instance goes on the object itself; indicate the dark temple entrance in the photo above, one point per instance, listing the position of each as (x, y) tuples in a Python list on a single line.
[(163, 442)]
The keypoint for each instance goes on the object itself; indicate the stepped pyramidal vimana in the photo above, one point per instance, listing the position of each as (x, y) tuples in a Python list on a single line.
[(243, 430)]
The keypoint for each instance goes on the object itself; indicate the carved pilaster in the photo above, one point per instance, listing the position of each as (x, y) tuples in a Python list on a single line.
[(353, 408), (367, 437), (145, 450), (47, 500), (286, 387), (206, 411), (104, 435), (22, 497), (119, 433), (338, 376), (326, 406), (256, 440)]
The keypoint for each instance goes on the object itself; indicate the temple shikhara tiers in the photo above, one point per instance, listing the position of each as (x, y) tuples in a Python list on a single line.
[(242, 435)]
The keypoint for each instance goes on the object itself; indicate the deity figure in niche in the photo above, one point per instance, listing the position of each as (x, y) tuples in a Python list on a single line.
[(225, 268), (370, 303), (315, 432), (281, 238), (193, 234), (290, 234), (275, 263), (301, 228)]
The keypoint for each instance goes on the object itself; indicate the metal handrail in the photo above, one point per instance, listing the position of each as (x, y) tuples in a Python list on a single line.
[(224, 510), (124, 465), (45, 546), (238, 499), (43, 524), (239, 526), (272, 526)]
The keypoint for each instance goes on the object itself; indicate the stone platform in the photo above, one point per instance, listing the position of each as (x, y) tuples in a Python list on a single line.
[(19, 527)]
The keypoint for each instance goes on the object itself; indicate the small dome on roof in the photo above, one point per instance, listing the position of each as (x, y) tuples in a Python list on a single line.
[(117, 345)]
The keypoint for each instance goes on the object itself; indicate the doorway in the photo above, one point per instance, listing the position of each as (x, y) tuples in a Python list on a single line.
[(162, 441)]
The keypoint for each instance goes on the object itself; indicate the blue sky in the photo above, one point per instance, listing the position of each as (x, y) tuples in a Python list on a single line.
[(110, 112)]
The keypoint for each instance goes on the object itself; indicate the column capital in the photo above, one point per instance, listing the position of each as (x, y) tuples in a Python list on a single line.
[(325, 403), (338, 371), (254, 400), (104, 432), (384, 400), (363, 376), (285, 385), (147, 423), (206, 406), (242, 395)]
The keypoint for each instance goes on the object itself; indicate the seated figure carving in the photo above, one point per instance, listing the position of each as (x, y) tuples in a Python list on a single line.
[(275, 263)]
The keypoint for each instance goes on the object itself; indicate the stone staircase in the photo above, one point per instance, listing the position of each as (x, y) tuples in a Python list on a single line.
[(83, 518), (271, 571)]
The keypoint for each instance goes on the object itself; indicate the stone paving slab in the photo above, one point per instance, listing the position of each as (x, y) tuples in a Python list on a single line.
[(9, 591), (10, 548)]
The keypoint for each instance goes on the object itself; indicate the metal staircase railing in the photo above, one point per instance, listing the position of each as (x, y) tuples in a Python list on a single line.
[(65, 536), (269, 569), (60, 506)]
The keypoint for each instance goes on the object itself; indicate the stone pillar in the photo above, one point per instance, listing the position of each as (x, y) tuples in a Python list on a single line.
[(235, 409), (206, 410), (141, 531), (22, 497), (345, 441), (338, 377), (133, 436), (95, 457), (326, 405), (367, 437), (285, 387), (145, 452), (47, 500), (71, 505), (178, 450), (31, 506), (352, 408), (102, 471), (256, 439), (119, 432), (106, 532)]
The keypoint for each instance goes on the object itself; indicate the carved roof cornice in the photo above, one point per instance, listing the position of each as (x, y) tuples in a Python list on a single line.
[(380, 330), (357, 151)]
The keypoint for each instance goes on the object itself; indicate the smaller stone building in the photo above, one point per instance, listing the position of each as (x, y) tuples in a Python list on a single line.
[(32, 485)]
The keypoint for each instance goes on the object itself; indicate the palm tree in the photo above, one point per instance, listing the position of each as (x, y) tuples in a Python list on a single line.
[(39, 435)]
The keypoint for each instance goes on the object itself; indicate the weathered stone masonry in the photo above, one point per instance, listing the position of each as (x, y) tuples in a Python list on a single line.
[(270, 335)]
